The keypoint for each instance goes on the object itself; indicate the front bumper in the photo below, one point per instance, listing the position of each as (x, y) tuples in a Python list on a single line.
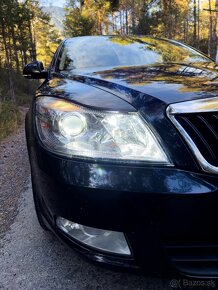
[(169, 216)]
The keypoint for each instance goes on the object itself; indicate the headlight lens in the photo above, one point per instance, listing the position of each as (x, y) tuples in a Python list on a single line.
[(72, 124), (71, 130)]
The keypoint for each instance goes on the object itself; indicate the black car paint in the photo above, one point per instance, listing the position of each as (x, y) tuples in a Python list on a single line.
[(168, 202)]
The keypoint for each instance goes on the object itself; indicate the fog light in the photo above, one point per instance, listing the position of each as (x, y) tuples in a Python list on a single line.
[(110, 241)]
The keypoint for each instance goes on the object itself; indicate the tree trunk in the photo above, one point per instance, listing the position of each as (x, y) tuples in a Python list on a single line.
[(121, 27), (127, 24), (214, 53), (8, 62), (15, 50), (185, 29), (198, 36), (210, 31), (133, 16), (32, 41), (113, 25), (170, 20), (195, 25)]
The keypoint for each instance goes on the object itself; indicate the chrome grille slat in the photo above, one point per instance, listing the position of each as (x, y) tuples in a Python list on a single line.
[(197, 121), (203, 136), (207, 123)]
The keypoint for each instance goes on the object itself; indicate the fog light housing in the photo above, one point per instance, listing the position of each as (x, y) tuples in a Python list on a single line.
[(104, 240)]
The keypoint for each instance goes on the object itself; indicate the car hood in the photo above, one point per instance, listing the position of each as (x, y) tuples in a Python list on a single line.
[(129, 88), (172, 82)]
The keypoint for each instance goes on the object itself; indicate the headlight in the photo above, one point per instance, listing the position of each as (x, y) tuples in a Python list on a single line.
[(70, 130)]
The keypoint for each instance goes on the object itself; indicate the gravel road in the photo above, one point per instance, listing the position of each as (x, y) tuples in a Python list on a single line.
[(14, 173), (33, 259)]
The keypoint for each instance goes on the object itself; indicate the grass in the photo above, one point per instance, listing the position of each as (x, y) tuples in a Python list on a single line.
[(10, 119)]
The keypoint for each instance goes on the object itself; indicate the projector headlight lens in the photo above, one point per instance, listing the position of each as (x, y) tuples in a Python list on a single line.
[(109, 241), (72, 125), (70, 130)]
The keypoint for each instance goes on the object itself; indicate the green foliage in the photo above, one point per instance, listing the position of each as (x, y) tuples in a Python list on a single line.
[(23, 88), (25, 34), (9, 119), (184, 20), (77, 24), (45, 38), (88, 18)]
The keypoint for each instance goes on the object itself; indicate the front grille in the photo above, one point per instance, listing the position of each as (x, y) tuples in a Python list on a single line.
[(197, 121), (203, 130), (194, 259)]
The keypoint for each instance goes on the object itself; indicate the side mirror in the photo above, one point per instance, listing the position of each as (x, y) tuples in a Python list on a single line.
[(35, 70)]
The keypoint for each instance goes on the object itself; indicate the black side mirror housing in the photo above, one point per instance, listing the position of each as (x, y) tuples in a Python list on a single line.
[(35, 70)]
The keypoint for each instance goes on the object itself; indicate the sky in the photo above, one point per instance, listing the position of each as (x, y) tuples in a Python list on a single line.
[(59, 3)]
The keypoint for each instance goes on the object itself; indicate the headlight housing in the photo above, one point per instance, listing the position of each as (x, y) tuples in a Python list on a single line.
[(74, 131)]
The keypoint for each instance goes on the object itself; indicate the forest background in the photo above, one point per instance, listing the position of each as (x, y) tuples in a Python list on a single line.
[(28, 32)]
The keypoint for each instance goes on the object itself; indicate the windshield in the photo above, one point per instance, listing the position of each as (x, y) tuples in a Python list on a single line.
[(95, 52)]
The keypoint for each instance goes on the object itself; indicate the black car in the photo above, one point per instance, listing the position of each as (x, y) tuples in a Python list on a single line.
[(122, 138)]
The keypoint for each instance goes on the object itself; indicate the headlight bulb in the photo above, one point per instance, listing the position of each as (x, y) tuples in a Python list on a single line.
[(72, 124)]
